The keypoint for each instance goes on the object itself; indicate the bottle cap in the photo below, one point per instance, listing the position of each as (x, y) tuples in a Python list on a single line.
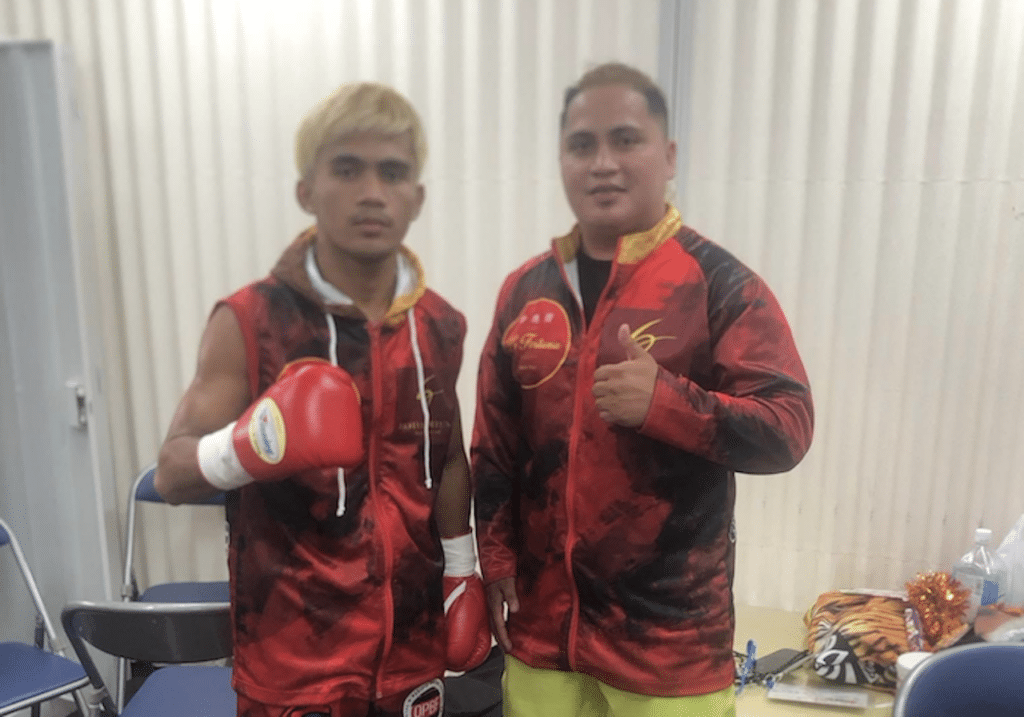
[(982, 535), (907, 662)]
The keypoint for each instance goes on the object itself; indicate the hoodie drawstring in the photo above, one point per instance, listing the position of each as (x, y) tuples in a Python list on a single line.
[(421, 384), (333, 353)]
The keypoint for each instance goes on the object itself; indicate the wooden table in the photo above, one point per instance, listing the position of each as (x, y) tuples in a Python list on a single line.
[(774, 629)]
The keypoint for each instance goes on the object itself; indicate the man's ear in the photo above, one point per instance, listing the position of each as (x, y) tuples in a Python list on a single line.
[(303, 194), (421, 194), (670, 156)]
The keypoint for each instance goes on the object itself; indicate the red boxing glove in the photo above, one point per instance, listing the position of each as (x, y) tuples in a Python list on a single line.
[(465, 606), (309, 418)]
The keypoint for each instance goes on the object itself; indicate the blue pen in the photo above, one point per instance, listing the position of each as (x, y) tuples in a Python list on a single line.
[(748, 665)]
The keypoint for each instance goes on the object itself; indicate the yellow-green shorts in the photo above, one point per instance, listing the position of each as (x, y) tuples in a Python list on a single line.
[(531, 692)]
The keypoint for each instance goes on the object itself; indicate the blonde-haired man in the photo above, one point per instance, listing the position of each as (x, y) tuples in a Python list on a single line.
[(324, 404)]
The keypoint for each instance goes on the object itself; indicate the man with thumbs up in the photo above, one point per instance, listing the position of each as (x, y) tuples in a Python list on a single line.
[(623, 391), (630, 371)]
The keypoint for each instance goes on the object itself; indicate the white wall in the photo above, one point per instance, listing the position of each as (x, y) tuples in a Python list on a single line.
[(863, 155), (192, 107), (867, 158)]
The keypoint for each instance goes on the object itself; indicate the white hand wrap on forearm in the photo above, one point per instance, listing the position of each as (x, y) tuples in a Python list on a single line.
[(459, 555), (218, 461)]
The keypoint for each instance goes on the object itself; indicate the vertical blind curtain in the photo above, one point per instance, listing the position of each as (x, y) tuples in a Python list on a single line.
[(864, 156), (867, 158), (190, 109)]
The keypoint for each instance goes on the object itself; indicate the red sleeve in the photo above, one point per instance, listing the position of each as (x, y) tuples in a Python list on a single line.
[(493, 451), (758, 417)]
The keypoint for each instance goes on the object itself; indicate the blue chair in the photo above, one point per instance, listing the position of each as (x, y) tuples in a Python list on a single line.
[(984, 679), (215, 591), (31, 674), (143, 491), (170, 633)]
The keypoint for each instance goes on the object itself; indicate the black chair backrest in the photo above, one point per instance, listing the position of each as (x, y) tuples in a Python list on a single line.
[(152, 632)]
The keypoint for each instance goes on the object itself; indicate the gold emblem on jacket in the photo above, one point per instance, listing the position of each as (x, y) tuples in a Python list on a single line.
[(646, 341), (538, 341)]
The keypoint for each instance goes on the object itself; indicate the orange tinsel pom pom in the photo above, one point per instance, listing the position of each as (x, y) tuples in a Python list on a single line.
[(941, 603)]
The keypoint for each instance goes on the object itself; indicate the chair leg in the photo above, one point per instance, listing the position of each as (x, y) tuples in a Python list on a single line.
[(40, 641), (122, 679)]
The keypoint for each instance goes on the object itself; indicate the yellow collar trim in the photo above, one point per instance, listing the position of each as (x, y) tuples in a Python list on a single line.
[(633, 248), (402, 303)]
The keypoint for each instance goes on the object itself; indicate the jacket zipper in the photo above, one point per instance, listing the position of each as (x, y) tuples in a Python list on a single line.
[(377, 383), (587, 343)]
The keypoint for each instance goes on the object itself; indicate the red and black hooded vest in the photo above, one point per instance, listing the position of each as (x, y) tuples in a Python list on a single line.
[(324, 604)]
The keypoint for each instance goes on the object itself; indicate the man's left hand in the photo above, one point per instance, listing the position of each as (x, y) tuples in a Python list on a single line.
[(623, 391)]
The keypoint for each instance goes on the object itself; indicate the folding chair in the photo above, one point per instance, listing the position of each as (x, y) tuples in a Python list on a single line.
[(983, 679), (143, 491), (175, 633), (215, 591), (31, 674)]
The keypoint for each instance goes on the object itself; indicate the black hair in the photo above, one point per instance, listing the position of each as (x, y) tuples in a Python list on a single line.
[(617, 73)]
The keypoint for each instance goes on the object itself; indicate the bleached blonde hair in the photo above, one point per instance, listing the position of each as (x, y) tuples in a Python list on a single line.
[(358, 107)]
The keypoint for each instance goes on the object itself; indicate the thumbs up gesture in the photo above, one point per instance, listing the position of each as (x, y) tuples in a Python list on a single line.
[(623, 390)]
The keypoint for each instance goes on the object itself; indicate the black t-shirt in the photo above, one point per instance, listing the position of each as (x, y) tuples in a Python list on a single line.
[(593, 277)]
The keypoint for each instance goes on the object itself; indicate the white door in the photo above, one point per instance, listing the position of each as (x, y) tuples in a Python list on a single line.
[(56, 478)]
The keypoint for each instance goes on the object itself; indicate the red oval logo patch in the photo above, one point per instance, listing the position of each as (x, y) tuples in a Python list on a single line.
[(538, 341)]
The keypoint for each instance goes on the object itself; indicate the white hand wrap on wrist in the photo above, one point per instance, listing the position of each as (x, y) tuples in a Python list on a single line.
[(218, 461), (459, 555)]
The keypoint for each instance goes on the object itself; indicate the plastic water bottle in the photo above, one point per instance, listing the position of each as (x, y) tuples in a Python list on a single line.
[(983, 573)]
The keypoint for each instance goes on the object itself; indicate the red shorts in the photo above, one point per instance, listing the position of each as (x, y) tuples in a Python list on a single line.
[(427, 700)]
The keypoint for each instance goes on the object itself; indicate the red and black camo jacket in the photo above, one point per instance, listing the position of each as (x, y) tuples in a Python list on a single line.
[(327, 606), (620, 540)]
